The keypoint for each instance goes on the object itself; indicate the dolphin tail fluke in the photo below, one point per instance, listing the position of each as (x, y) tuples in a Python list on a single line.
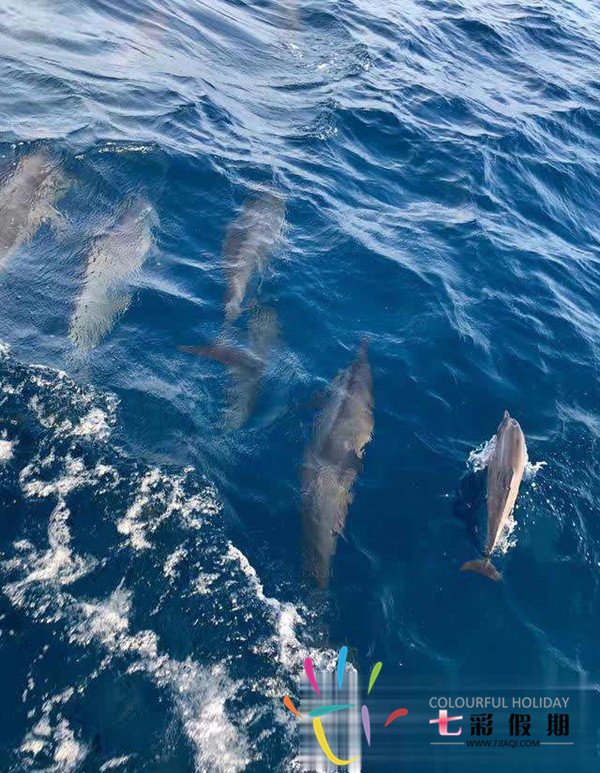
[(482, 566)]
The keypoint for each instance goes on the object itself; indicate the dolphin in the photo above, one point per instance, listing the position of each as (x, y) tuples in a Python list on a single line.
[(248, 245), (27, 199), (114, 259), (247, 366), (505, 472), (333, 461)]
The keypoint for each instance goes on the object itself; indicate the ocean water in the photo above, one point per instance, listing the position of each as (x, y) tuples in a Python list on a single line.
[(437, 165)]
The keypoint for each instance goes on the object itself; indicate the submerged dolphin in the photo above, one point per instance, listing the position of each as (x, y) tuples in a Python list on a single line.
[(114, 259), (27, 199), (505, 472), (249, 243), (333, 462), (246, 366)]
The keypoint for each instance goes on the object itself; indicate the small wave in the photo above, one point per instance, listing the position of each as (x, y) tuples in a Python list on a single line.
[(479, 457)]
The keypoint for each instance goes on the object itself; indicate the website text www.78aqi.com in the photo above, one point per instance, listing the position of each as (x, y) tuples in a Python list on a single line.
[(499, 743)]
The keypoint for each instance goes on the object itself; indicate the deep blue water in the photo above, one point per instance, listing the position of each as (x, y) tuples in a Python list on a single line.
[(439, 167)]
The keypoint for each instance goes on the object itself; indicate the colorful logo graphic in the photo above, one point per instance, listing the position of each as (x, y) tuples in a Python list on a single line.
[(316, 714)]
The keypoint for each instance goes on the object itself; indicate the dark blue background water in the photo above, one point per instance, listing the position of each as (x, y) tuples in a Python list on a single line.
[(439, 165)]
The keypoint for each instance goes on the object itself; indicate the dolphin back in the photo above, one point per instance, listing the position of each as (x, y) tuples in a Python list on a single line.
[(27, 199), (505, 472), (249, 243), (333, 462), (114, 260)]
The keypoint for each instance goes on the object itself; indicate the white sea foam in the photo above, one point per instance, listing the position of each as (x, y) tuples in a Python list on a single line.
[(58, 566), (287, 619), (480, 457), (63, 408), (40, 575), (160, 497), (507, 539), (199, 693), (6, 448), (75, 475), (115, 762), (52, 735), (172, 562), (532, 469), (95, 424), (69, 752)]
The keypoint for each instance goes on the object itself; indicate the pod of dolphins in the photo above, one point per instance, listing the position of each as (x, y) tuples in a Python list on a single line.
[(344, 426)]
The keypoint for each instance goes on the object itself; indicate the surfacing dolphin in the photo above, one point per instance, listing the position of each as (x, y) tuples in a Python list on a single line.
[(27, 199), (248, 246), (505, 472), (115, 258), (247, 366), (333, 462)]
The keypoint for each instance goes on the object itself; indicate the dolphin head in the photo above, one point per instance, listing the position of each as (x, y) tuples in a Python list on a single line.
[(35, 166), (507, 421), (512, 436)]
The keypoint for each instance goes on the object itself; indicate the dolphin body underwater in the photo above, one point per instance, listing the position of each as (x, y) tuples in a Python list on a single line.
[(249, 243), (505, 472), (113, 261), (247, 366), (27, 199), (333, 462)]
